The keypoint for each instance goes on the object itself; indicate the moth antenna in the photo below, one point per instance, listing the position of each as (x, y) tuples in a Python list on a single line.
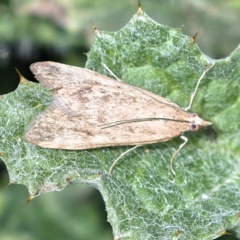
[(113, 124), (196, 88)]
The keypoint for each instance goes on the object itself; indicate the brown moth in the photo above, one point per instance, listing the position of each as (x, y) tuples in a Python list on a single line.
[(91, 110)]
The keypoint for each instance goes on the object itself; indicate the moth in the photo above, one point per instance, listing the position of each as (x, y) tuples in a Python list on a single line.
[(90, 110)]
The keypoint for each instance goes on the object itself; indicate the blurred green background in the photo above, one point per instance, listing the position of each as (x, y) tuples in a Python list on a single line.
[(61, 31)]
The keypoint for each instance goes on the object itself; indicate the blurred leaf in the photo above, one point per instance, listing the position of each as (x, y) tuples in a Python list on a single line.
[(64, 23), (72, 214)]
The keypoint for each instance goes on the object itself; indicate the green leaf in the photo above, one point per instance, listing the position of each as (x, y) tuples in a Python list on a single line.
[(144, 200)]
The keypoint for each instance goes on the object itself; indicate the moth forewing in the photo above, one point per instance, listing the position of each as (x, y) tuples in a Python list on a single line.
[(86, 101), (56, 129)]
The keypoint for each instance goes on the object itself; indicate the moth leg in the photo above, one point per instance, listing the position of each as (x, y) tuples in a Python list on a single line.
[(185, 139), (109, 71), (124, 153), (196, 88)]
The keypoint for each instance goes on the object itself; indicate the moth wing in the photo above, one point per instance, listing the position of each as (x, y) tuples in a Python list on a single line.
[(55, 129), (99, 99)]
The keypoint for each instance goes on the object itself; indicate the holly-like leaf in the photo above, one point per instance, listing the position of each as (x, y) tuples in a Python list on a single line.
[(144, 200)]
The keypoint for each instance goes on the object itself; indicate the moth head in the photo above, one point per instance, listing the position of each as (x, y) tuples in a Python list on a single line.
[(196, 122)]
